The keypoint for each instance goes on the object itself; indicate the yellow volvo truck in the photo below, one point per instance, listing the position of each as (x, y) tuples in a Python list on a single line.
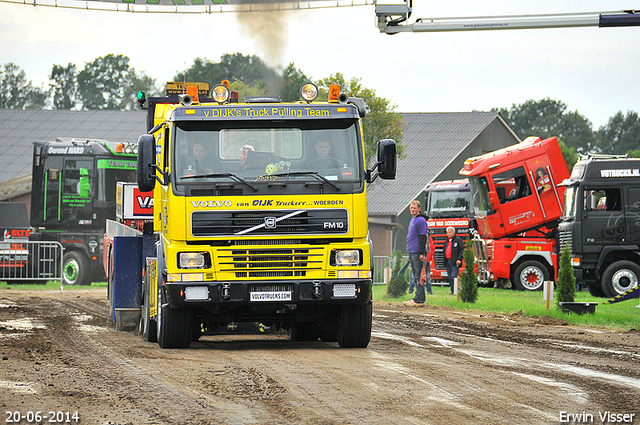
[(260, 215)]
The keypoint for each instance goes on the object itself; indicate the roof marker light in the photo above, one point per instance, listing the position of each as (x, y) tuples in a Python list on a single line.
[(334, 92), (193, 92), (309, 92), (220, 93)]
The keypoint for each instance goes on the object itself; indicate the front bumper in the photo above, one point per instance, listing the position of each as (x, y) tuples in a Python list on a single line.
[(307, 292)]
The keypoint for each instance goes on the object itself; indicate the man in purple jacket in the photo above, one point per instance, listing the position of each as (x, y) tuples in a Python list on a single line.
[(416, 244)]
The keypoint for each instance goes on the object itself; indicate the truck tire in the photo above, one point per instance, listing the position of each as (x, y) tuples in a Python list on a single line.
[(147, 326), (305, 331), (530, 276), (595, 289), (75, 269), (173, 325), (329, 335), (354, 329), (620, 277)]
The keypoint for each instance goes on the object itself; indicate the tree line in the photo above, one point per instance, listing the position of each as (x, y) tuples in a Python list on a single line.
[(547, 118), (109, 82)]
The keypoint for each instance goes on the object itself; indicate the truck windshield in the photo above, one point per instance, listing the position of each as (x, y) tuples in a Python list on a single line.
[(480, 195), (570, 202), (264, 152), (450, 203), (108, 178)]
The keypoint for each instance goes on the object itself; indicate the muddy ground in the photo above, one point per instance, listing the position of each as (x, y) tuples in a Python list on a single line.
[(60, 354)]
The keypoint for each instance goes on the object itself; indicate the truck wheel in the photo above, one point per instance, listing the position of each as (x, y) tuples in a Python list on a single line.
[(620, 277), (530, 276), (329, 335), (75, 269), (147, 326), (354, 329), (305, 331), (173, 325), (595, 289)]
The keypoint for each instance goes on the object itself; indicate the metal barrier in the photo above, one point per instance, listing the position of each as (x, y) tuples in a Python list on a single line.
[(482, 259), (30, 261), (381, 270)]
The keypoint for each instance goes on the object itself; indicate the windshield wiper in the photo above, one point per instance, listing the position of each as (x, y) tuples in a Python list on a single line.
[(309, 173), (217, 175)]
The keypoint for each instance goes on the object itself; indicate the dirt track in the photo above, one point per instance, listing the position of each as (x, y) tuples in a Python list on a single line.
[(59, 352)]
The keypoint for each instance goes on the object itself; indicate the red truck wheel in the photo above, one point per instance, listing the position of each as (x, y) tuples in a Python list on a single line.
[(530, 276)]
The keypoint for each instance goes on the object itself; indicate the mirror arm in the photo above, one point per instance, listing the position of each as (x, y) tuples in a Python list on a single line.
[(370, 178), (152, 173)]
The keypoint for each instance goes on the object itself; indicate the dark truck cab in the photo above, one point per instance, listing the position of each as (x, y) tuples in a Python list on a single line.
[(601, 223), (73, 194)]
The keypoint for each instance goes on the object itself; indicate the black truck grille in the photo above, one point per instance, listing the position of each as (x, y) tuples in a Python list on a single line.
[(565, 237), (438, 255), (269, 222)]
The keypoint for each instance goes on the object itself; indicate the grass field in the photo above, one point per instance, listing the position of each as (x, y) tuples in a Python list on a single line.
[(622, 315)]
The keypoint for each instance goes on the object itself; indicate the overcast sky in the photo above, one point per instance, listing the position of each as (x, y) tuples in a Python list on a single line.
[(594, 71)]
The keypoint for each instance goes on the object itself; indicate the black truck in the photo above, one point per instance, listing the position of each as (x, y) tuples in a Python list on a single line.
[(73, 194), (601, 223)]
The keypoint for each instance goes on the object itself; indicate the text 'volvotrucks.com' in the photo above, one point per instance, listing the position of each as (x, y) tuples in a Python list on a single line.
[(260, 215), (73, 193)]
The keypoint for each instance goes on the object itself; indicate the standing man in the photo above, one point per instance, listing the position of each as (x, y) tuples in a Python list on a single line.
[(453, 251), (425, 276), (416, 243)]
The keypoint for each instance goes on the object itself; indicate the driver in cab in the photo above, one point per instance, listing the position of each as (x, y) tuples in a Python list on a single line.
[(325, 156)]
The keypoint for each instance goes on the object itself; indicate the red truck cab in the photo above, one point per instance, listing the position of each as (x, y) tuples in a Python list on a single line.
[(517, 204)]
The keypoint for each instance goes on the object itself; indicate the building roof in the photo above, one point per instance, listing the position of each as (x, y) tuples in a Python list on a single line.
[(20, 128), (432, 141)]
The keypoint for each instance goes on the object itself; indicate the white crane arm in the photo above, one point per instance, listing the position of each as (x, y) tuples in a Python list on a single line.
[(392, 17)]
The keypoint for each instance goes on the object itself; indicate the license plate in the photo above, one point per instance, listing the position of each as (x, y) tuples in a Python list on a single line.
[(271, 296), (444, 274)]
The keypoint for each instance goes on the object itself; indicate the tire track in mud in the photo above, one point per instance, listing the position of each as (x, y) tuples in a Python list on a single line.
[(421, 367), (598, 371), (91, 370)]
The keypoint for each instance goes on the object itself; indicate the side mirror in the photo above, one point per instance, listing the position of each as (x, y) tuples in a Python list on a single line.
[(387, 160), (146, 162), (494, 200)]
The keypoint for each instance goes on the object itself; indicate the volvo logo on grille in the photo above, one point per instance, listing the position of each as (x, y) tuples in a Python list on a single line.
[(270, 222)]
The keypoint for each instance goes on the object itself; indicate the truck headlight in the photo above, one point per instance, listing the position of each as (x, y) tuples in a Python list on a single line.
[(191, 260), (347, 257)]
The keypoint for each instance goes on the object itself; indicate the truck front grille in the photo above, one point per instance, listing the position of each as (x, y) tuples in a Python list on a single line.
[(438, 255), (270, 222), (266, 262), (566, 238)]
